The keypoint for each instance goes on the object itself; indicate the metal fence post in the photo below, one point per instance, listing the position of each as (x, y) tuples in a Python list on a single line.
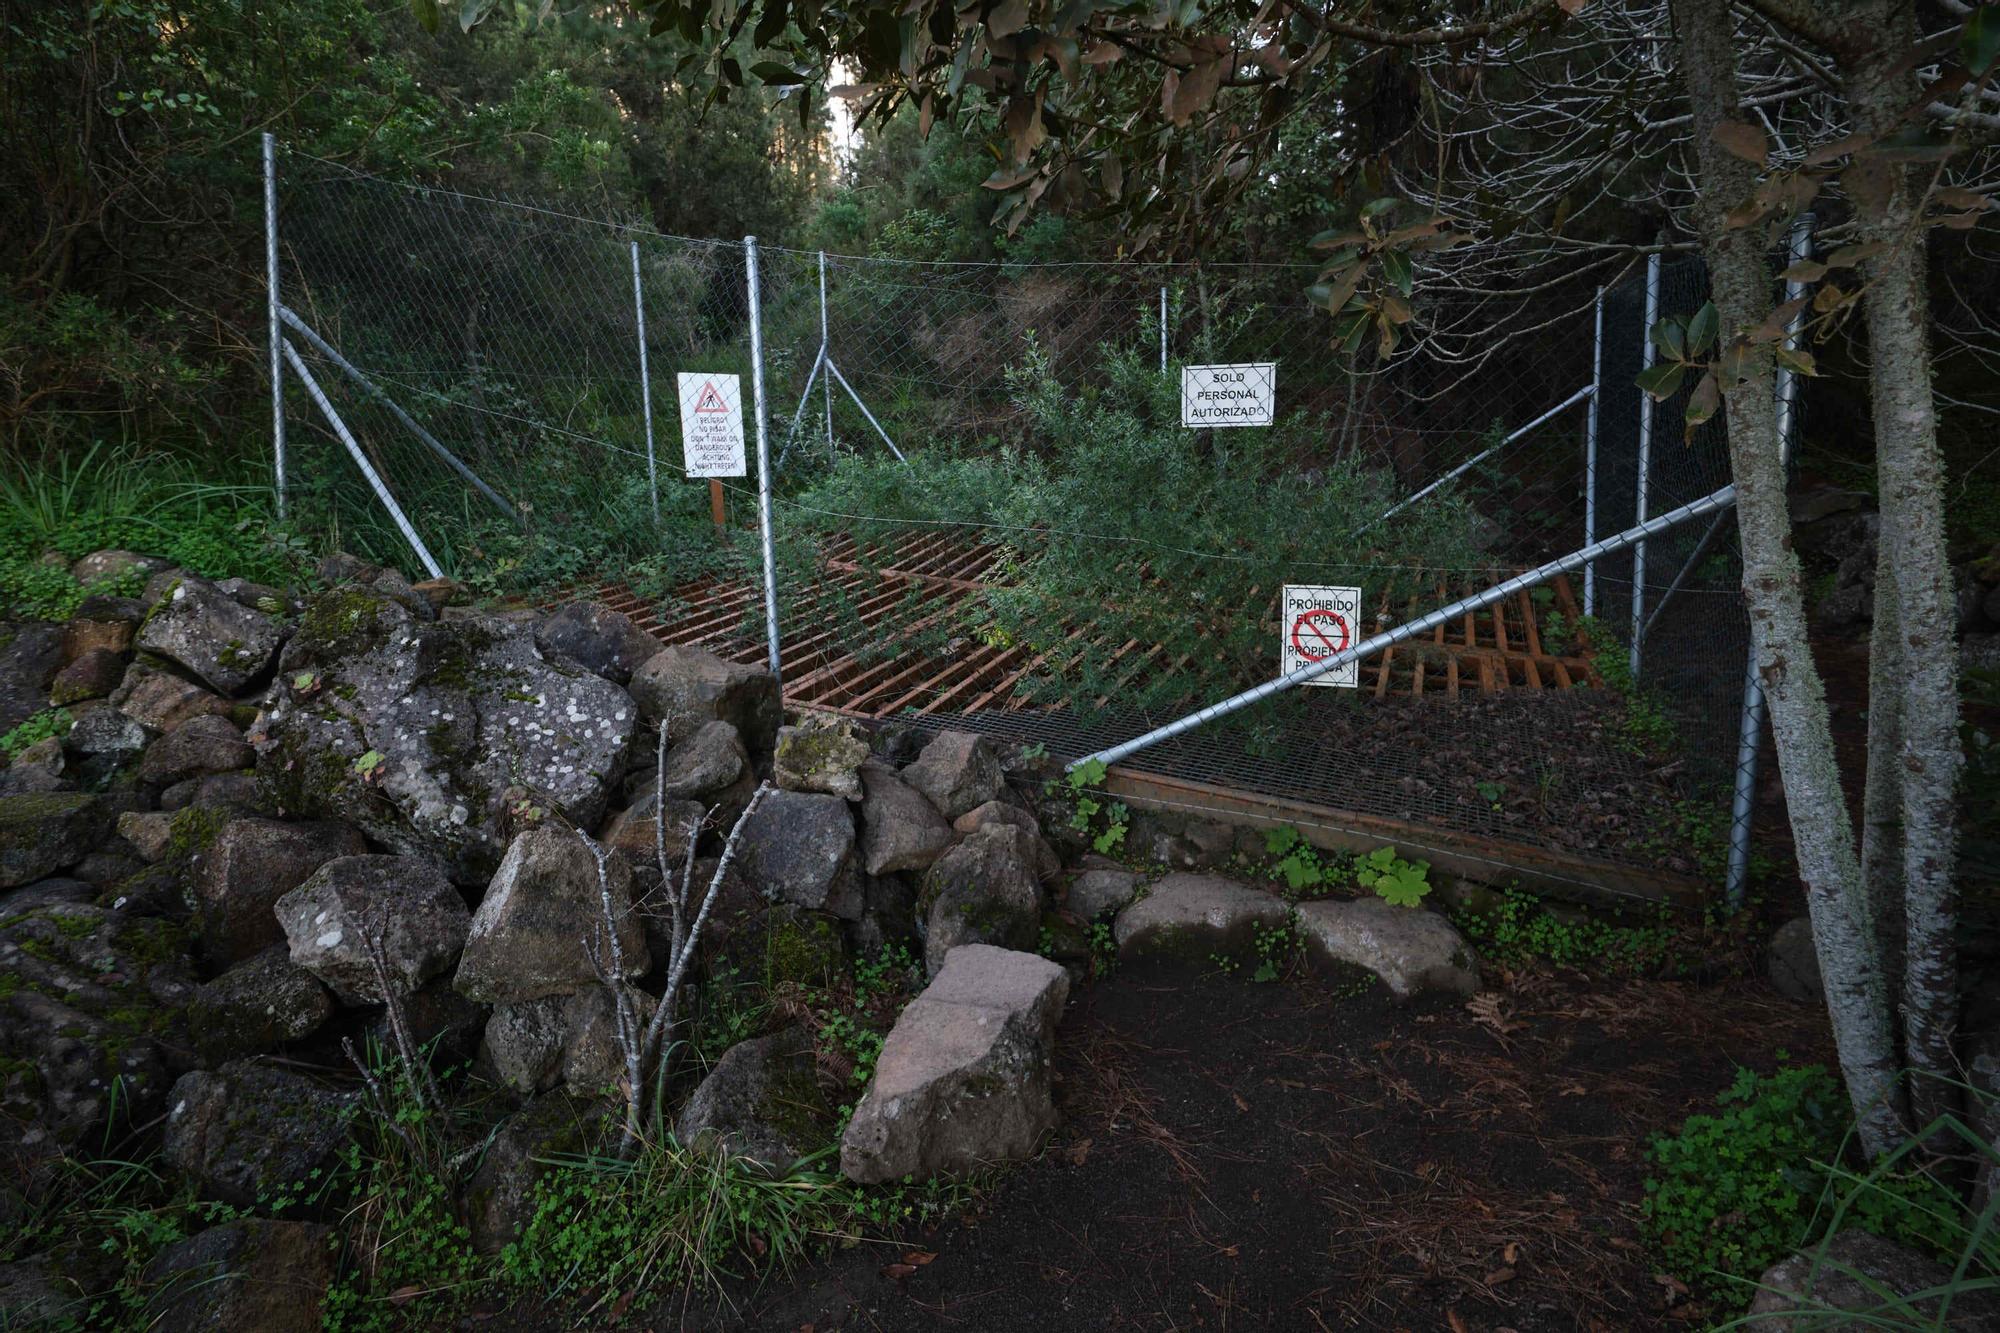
[(1645, 463), (1750, 729), (645, 385), (1163, 328), (271, 332), (763, 454), (825, 350), (1590, 450)]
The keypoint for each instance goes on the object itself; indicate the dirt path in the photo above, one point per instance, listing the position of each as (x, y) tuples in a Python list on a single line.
[(1237, 1156)]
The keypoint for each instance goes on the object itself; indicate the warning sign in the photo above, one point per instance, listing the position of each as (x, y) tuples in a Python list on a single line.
[(1239, 395), (1318, 623), (712, 425)]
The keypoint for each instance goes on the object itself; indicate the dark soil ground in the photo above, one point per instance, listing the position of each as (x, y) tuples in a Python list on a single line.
[(1237, 1156)]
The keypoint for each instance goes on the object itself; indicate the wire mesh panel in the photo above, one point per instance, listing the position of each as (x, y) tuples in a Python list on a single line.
[(992, 509)]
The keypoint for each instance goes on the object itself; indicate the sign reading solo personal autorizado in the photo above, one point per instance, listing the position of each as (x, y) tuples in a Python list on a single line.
[(1317, 623), (712, 425), (1239, 395)]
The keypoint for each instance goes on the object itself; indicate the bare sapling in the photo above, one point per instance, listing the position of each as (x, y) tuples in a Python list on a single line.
[(643, 1041)]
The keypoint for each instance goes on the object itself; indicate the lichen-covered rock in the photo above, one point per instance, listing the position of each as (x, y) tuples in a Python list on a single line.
[(632, 830), (522, 1046), (683, 687), (41, 833), (598, 639), (100, 622), (104, 566), (798, 848), (1188, 917), (963, 1079), (438, 738), (1862, 1274), (160, 701), (199, 747), (592, 1060), (821, 754), (362, 922), (42, 767), (762, 1101), (500, 1197), (94, 675), (199, 628), (1100, 891), (251, 864), (252, 1275), (708, 764), (445, 1024), (44, 1291), (958, 771), (92, 999), (235, 794), (149, 832), (983, 891), (900, 828), (1413, 951), (247, 1134), (264, 1002), (30, 655), (542, 919), (1043, 857), (102, 743)]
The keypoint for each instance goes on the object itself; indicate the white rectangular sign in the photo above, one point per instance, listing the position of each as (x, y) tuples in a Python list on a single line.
[(1240, 395), (1317, 623), (712, 425)]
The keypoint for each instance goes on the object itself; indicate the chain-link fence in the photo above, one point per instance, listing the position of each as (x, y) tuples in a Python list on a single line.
[(987, 511)]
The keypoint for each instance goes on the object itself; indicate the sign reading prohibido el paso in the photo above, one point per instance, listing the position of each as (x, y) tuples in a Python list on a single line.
[(1240, 395), (711, 425)]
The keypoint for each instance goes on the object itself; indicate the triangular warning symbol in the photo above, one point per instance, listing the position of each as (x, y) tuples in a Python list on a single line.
[(710, 400)]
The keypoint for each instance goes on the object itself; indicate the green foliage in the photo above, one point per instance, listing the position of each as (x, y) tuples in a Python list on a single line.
[(1073, 504), (1645, 728), (1396, 881), (1108, 834), (39, 727), (1733, 1192), (1515, 930), (1278, 949)]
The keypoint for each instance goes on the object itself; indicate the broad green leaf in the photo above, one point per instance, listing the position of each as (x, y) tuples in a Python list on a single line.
[(1662, 381), (1704, 401), (1798, 360), (1670, 336), (426, 12), (771, 72), (1396, 268), (1701, 330)]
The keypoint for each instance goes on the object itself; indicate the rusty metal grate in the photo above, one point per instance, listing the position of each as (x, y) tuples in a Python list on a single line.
[(914, 588)]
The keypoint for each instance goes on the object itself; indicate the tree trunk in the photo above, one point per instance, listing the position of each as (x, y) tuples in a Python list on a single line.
[(1882, 800), (1880, 85), (1741, 279)]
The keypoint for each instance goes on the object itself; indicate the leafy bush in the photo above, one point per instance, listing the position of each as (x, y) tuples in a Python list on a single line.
[(1734, 1192), (1115, 519), (49, 722), (1396, 881), (1516, 930)]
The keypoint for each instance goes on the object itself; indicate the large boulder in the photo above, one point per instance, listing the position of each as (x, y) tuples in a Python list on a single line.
[(521, 1047), (1044, 859), (963, 1079), (633, 830), (761, 1101), (1188, 917), (103, 743), (821, 754), (500, 1197), (41, 833), (202, 746), (1413, 951), (252, 1275), (41, 767), (983, 891), (31, 654), (91, 1006), (1858, 1273), (682, 687), (1100, 891), (262, 1003), (251, 1135), (798, 848), (105, 566), (160, 701), (440, 738), (958, 771), (251, 864), (362, 922), (542, 921), (93, 675), (707, 765), (598, 639), (202, 630), (900, 828)]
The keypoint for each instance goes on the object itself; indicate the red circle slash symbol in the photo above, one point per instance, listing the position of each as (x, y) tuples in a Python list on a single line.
[(1318, 635)]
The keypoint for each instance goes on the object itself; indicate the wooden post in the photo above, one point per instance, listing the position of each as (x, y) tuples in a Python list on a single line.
[(715, 507)]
